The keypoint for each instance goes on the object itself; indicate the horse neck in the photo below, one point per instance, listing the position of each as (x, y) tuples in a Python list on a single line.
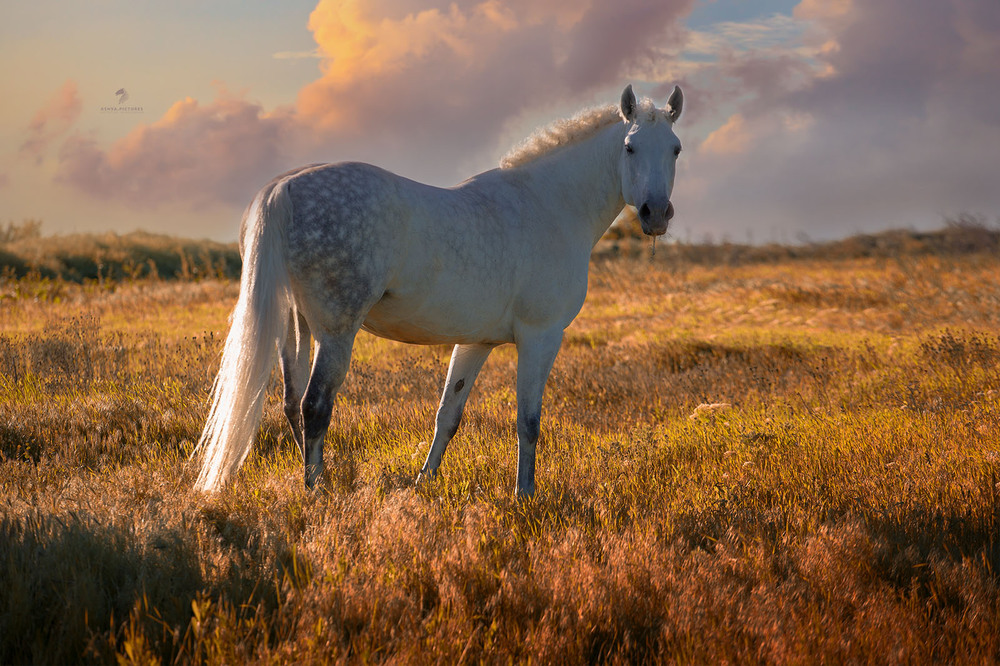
[(583, 180)]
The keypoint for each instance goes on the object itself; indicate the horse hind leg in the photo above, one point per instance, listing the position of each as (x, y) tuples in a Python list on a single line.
[(333, 357), (466, 362), (295, 374)]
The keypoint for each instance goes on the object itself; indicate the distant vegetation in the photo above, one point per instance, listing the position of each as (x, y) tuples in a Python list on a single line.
[(961, 234), (81, 257)]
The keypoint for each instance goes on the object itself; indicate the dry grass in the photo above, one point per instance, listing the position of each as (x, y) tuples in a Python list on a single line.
[(837, 502)]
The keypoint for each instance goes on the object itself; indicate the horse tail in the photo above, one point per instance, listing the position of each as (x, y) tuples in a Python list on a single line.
[(259, 324)]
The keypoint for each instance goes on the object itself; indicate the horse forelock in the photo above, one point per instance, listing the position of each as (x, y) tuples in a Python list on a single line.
[(572, 130), (648, 112)]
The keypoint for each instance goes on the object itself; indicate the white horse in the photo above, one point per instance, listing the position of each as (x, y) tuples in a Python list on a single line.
[(330, 249)]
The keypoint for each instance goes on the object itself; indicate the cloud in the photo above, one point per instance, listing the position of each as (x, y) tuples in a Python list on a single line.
[(730, 139), (889, 121), (777, 30), (53, 120), (195, 154), (729, 63), (421, 87), (440, 75), (823, 10)]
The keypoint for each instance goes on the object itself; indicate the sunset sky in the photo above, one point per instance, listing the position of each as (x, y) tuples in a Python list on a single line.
[(811, 118)]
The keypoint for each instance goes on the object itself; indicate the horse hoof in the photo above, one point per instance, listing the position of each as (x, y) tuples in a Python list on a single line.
[(525, 493), (424, 477)]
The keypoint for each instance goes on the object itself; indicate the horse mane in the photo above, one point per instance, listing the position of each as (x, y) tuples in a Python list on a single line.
[(569, 131)]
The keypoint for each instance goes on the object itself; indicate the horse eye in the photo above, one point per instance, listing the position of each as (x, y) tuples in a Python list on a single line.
[(629, 149)]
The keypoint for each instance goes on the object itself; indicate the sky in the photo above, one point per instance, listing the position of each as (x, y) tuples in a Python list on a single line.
[(803, 119)]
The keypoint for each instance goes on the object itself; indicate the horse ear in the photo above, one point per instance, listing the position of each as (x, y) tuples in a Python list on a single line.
[(628, 103), (675, 104)]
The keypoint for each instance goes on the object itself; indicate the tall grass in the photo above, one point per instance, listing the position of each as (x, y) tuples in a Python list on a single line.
[(785, 461)]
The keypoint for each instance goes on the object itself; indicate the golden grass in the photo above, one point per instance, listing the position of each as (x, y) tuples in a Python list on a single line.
[(791, 462)]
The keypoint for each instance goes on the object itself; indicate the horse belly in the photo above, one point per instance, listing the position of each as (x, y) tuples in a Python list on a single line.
[(428, 320)]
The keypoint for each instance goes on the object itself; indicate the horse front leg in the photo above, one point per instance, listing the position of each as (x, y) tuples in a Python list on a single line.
[(535, 356), (466, 362)]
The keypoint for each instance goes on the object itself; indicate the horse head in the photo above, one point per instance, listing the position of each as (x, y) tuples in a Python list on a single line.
[(649, 158)]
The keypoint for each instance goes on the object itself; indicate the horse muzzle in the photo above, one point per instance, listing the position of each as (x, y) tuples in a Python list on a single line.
[(654, 219)]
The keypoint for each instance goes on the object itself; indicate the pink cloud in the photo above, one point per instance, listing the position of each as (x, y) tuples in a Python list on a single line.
[(195, 154), (894, 123), (53, 120)]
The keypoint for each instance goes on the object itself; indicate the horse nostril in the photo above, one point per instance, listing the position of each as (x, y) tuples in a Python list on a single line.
[(644, 211)]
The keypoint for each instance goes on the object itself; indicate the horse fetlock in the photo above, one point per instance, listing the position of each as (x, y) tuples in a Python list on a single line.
[(526, 469), (313, 474), (313, 462)]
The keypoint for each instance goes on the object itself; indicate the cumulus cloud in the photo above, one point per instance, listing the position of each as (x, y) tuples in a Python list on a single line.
[(890, 122), (418, 86), (196, 154), (444, 80), (53, 120)]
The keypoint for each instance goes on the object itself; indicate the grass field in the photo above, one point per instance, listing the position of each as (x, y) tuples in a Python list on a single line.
[(783, 459)]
